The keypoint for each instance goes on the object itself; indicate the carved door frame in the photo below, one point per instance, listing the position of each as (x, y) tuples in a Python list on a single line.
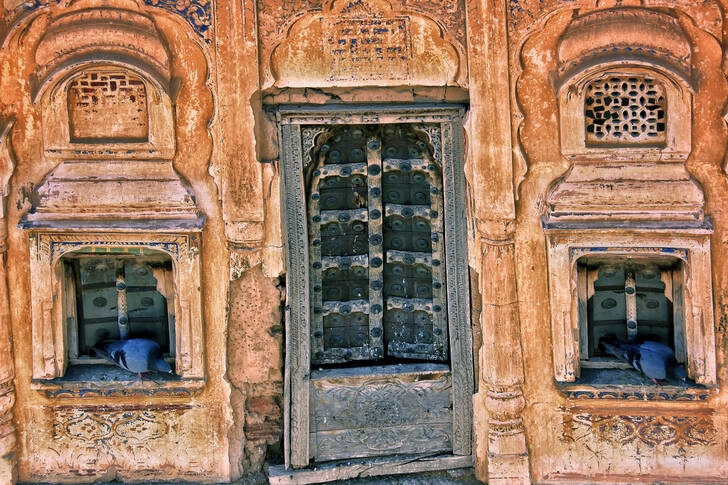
[(298, 127)]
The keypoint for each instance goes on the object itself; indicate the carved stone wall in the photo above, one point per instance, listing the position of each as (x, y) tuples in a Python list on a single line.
[(255, 368), (630, 431), (82, 433), (215, 73)]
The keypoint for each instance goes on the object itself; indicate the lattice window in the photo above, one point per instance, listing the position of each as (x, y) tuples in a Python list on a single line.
[(108, 105), (376, 245), (625, 110)]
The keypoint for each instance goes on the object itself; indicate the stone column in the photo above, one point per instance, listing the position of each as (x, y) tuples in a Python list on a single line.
[(7, 371), (502, 365), (499, 403)]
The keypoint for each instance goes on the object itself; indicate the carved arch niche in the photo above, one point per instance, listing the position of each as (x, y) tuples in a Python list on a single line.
[(366, 43), (625, 110), (103, 84)]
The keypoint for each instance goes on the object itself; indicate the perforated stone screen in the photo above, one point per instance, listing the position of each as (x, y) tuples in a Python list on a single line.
[(108, 105), (625, 110)]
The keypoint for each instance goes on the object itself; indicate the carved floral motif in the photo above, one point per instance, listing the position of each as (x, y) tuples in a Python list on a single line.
[(137, 427), (197, 13), (386, 402), (385, 440), (648, 430)]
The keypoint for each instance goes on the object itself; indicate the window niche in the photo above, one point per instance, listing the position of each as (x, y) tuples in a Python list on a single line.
[(627, 237), (108, 110), (88, 287), (114, 231), (110, 296), (625, 112), (633, 299)]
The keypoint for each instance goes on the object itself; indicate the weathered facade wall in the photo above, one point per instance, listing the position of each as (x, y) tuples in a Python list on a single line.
[(216, 72), (605, 439)]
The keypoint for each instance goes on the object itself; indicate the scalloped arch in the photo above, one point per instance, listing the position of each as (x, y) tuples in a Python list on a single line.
[(365, 43), (101, 35)]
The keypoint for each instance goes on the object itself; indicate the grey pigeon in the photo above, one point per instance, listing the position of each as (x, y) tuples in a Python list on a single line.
[(135, 355), (653, 359)]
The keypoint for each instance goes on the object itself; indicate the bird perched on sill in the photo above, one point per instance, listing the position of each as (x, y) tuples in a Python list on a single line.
[(137, 355), (654, 359)]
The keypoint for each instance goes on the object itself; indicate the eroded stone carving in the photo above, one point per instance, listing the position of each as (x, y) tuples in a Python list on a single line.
[(649, 430), (365, 43), (111, 34), (624, 35), (524, 15), (621, 444), (121, 438), (121, 97)]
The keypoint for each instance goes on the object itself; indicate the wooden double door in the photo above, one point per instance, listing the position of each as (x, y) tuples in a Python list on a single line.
[(379, 359)]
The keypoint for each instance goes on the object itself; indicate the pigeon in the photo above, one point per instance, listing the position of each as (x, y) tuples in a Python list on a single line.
[(653, 359), (135, 355)]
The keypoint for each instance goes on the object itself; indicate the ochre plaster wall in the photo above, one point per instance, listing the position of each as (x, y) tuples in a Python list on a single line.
[(84, 440), (612, 440), (253, 54)]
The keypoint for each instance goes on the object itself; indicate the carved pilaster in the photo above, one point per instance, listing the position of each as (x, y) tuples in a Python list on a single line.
[(502, 366), (7, 371), (240, 179), (500, 401)]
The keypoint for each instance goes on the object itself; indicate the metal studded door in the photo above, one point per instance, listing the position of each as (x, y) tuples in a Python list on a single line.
[(377, 268), (376, 299)]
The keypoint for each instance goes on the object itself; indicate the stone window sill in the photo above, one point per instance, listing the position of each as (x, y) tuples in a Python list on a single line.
[(628, 385), (100, 380)]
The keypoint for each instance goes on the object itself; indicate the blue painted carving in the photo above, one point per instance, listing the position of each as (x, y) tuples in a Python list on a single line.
[(677, 252), (62, 247), (646, 394), (197, 13)]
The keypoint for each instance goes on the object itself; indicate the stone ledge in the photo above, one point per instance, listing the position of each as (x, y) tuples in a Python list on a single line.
[(99, 380), (346, 469), (631, 390)]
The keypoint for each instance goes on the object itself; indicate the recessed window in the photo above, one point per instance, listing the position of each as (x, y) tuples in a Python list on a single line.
[(632, 300), (112, 296), (625, 110)]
